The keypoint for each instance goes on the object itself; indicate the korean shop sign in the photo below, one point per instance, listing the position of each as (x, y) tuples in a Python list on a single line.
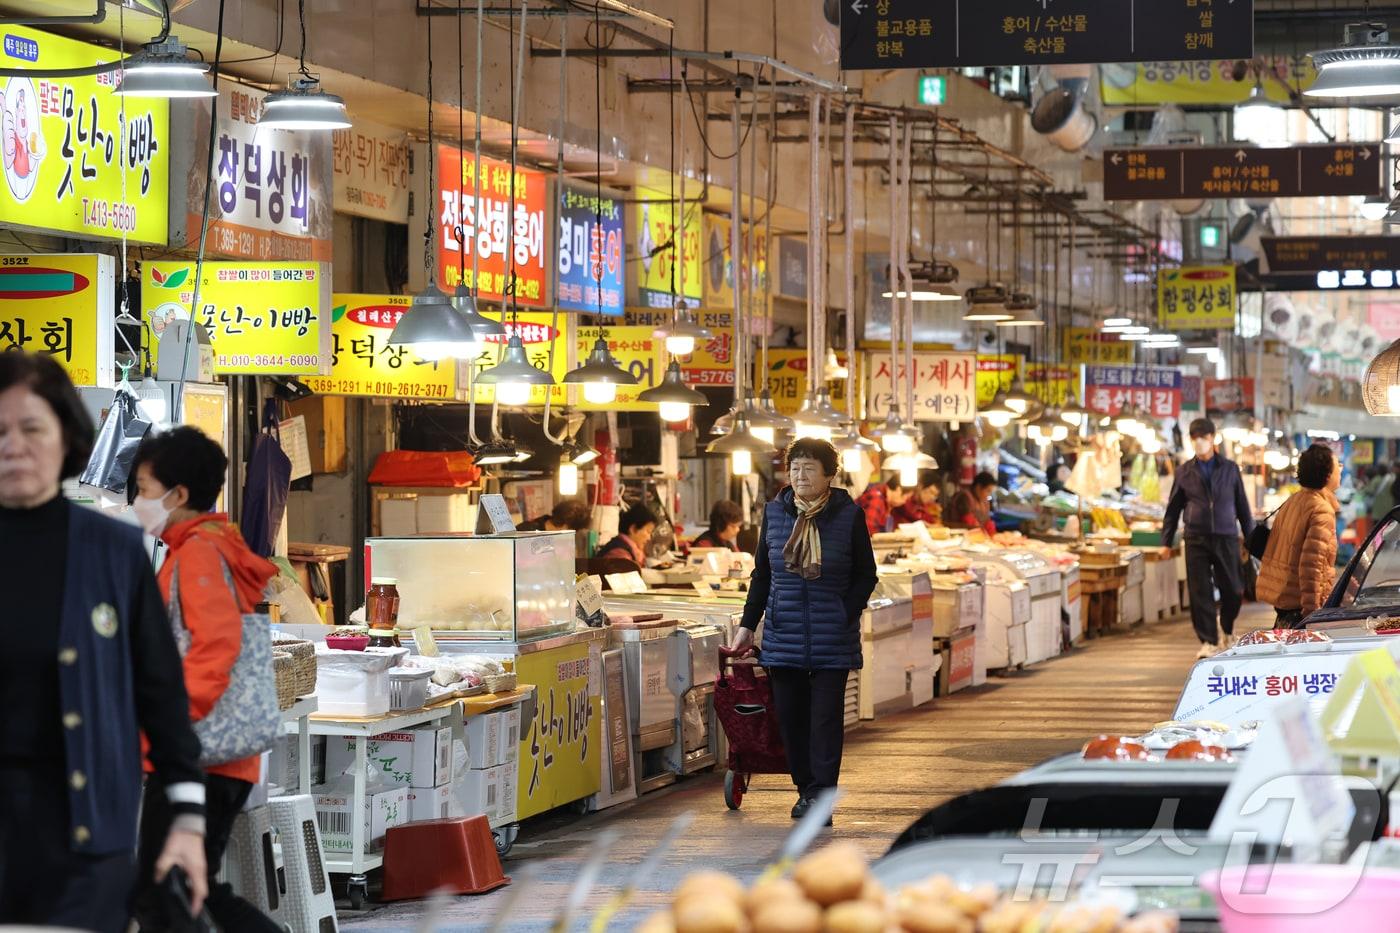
[(945, 386), (68, 148), (1091, 345), (1052, 384), (719, 265), (590, 253), (1227, 395), (652, 253), (1153, 389), (637, 351), (1202, 82), (263, 318), (371, 172), (996, 372), (363, 363), (788, 382), (473, 210), (538, 333), (1196, 298), (959, 33), (712, 363), (273, 197), (61, 305), (560, 748)]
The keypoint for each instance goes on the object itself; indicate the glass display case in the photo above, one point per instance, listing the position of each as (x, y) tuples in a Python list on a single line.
[(510, 587)]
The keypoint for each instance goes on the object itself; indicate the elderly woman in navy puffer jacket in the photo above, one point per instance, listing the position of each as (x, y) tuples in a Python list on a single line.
[(813, 574)]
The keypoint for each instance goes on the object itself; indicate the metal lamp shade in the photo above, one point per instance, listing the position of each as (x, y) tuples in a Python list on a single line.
[(1020, 317), (431, 319), (673, 389), (854, 440), (494, 454), (765, 414), (304, 106), (1357, 71), (740, 438), (600, 367), (916, 460), (464, 300), (514, 367), (684, 325), (164, 77), (1380, 389), (817, 411)]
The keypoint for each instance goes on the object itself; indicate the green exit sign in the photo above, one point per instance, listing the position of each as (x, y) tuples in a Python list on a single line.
[(1210, 235), (933, 90)]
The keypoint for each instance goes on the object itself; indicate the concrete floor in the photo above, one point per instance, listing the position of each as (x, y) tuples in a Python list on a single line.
[(894, 770)]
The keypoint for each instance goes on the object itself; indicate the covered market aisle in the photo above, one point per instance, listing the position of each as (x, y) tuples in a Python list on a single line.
[(894, 769)]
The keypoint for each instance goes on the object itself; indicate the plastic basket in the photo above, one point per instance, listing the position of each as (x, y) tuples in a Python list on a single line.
[(408, 689)]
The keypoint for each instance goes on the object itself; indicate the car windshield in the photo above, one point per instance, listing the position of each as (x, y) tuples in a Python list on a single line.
[(1375, 577)]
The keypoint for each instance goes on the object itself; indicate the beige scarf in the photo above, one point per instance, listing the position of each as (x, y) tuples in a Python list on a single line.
[(803, 552)]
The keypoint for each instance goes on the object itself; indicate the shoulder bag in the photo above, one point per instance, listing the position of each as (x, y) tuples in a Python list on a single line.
[(245, 720), (1258, 541)]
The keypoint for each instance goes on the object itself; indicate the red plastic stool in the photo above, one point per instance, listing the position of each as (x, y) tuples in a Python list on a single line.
[(456, 855)]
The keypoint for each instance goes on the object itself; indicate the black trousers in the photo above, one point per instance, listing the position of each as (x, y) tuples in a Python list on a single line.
[(1288, 618), (223, 800), (811, 708), (1213, 562), (42, 881)]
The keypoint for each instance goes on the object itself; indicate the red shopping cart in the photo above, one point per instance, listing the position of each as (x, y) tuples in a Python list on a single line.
[(744, 705)]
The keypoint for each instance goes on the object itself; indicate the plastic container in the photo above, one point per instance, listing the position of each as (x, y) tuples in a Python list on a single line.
[(347, 642), (408, 688), (1289, 898)]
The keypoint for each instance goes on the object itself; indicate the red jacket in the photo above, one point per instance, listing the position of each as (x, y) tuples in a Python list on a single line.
[(875, 503), (209, 612)]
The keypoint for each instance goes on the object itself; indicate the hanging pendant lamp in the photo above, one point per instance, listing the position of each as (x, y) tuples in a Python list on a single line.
[(600, 375), (740, 445), (674, 396), (765, 414), (894, 438), (434, 330), (1366, 65), (999, 414), (514, 376), (164, 70), (817, 418), (464, 300), (853, 448), (1018, 399), (304, 106), (682, 333), (987, 304)]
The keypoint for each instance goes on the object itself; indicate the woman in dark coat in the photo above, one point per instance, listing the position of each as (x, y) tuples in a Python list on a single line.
[(813, 574), (89, 665)]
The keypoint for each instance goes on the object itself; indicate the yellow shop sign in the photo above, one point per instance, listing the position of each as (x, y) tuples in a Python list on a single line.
[(263, 318), (61, 305), (76, 159), (636, 350), (363, 362)]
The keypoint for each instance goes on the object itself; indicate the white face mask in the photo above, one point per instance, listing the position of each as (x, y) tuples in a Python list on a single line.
[(1203, 446), (152, 513)]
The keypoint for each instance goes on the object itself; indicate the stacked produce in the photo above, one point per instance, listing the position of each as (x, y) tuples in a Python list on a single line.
[(1202, 740), (832, 891)]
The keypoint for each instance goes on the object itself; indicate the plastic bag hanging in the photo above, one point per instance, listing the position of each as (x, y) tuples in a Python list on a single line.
[(115, 448), (268, 483)]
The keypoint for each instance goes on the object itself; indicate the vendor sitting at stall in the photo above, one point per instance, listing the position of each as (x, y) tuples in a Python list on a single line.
[(878, 502), (921, 505), (568, 515), (726, 518), (635, 528), (971, 508)]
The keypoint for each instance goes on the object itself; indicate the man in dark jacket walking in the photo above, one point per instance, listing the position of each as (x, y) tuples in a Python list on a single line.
[(1210, 490)]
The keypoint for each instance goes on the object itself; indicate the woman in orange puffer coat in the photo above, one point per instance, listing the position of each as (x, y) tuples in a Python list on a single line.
[(1299, 564)]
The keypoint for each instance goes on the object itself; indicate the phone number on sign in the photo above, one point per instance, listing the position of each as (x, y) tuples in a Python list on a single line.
[(269, 360)]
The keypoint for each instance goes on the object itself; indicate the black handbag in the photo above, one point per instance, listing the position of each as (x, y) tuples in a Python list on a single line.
[(1258, 541)]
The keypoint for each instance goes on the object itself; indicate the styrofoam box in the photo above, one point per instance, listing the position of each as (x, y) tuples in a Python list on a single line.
[(429, 803), (479, 792), (398, 517), (484, 748), (510, 735), (352, 693), (285, 770), (414, 758), (385, 807)]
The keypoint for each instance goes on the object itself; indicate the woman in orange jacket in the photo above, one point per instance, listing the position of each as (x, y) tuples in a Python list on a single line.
[(179, 475), (1300, 562)]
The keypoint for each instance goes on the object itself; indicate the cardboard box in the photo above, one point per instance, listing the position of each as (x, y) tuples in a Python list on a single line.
[(415, 758), (429, 803), (484, 735), (510, 781), (385, 807), (285, 770), (479, 792), (510, 735)]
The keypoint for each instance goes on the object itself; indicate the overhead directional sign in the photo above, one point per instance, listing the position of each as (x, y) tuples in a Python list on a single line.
[(955, 33), (1172, 172), (1323, 253)]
